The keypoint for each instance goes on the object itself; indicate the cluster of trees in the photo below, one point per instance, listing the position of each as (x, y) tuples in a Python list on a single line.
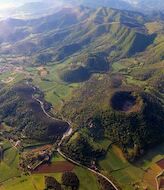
[(105, 185), (82, 150), (69, 180), (92, 63), (68, 50), (135, 132), (78, 74), (43, 59), (52, 184), (97, 62)]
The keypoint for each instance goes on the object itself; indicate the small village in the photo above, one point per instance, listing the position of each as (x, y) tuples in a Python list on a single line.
[(30, 160)]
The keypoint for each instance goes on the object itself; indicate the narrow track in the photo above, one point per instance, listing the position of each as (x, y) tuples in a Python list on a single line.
[(67, 134)]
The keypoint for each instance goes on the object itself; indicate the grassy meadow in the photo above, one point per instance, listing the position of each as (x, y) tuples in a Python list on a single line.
[(130, 175), (56, 91), (16, 180), (9, 167)]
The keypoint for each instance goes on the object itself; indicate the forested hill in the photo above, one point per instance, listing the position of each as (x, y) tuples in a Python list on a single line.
[(24, 114)]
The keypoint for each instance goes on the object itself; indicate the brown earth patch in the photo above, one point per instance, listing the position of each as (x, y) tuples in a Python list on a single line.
[(43, 72), (161, 184), (161, 164), (57, 167), (150, 178), (42, 148)]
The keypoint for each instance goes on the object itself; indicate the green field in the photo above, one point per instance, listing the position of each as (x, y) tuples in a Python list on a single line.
[(112, 162), (56, 157), (32, 182), (56, 91), (127, 174), (87, 179), (15, 77), (16, 180), (116, 165), (9, 165)]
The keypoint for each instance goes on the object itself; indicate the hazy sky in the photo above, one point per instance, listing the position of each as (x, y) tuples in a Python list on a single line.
[(132, 1), (13, 3), (9, 3)]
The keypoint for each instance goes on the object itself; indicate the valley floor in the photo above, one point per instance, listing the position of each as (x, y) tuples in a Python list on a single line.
[(140, 175)]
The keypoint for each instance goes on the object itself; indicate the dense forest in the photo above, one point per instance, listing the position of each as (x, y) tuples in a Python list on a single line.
[(127, 121), (20, 111)]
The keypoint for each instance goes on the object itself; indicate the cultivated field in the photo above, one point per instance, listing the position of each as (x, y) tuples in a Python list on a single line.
[(56, 167)]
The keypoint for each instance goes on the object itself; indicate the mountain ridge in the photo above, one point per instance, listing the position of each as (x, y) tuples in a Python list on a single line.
[(81, 27)]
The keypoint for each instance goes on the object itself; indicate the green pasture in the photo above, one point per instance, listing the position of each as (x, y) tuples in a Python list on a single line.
[(56, 91), (9, 165), (88, 180), (125, 173)]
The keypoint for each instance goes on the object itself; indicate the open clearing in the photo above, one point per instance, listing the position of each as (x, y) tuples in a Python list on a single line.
[(42, 72)]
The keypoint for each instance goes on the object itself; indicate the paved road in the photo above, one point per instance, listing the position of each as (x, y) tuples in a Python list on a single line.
[(93, 171), (67, 134)]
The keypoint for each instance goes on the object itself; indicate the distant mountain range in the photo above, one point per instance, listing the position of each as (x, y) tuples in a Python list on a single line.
[(40, 8), (32, 9), (75, 32), (148, 5), (140, 5)]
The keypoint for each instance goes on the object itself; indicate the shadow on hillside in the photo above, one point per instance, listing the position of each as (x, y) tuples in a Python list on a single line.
[(141, 42), (149, 155)]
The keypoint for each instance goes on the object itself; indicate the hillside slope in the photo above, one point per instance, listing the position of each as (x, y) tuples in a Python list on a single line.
[(20, 111), (74, 31)]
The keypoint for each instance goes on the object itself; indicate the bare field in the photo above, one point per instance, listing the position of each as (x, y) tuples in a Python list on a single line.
[(57, 167)]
